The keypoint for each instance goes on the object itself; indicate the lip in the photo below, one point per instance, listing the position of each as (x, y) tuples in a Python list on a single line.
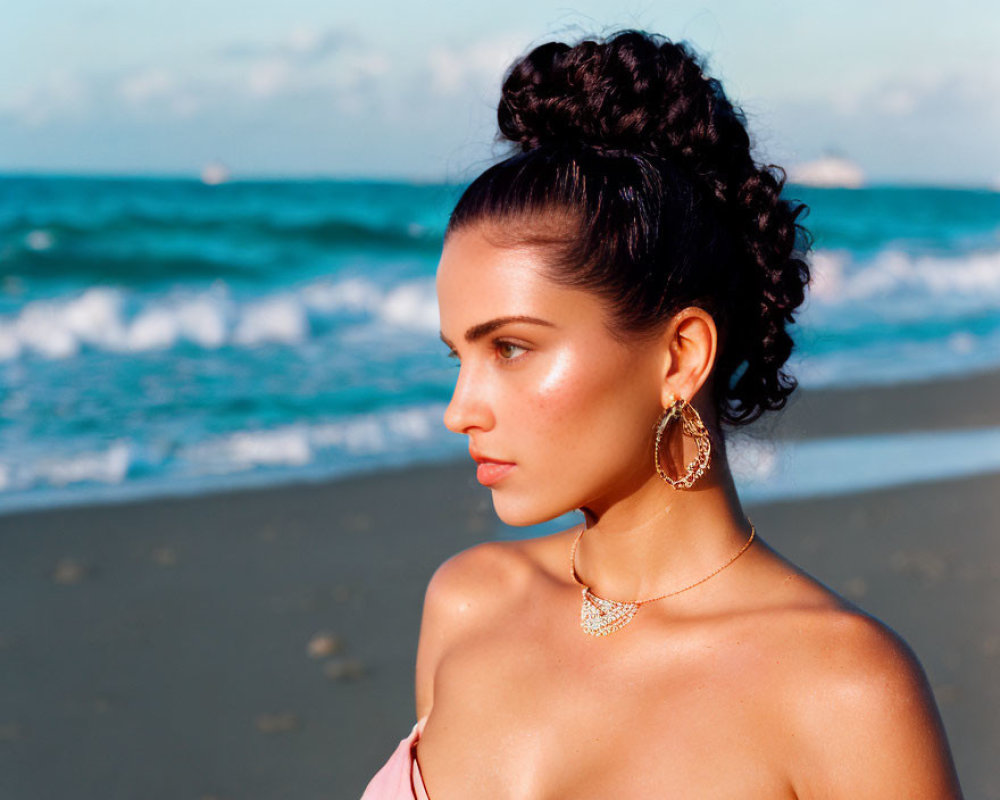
[(489, 470)]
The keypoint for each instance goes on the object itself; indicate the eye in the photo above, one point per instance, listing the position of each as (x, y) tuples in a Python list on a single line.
[(505, 348), (506, 352)]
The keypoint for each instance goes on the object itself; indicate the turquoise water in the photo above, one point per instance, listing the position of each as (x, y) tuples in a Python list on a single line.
[(165, 336)]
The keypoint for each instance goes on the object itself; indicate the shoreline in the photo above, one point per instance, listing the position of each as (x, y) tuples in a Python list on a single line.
[(972, 401)]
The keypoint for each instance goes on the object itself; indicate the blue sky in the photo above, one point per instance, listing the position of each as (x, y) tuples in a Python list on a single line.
[(910, 90)]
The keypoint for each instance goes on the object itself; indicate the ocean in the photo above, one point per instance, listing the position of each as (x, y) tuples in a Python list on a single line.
[(162, 336)]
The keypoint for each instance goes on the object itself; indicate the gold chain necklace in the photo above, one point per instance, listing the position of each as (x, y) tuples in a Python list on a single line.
[(599, 617)]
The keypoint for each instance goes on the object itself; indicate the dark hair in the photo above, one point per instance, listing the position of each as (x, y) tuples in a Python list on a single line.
[(633, 171)]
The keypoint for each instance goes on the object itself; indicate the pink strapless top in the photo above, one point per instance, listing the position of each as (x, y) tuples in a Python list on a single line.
[(400, 778)]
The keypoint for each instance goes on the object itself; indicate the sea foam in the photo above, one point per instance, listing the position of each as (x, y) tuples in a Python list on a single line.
[(100, 317)]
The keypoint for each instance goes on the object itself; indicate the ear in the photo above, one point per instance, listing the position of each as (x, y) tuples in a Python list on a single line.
[(689, 344)]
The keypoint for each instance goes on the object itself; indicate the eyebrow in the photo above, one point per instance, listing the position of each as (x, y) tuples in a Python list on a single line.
[(486, 328)]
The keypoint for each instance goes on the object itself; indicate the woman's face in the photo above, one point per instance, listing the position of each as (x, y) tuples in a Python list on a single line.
[(542, 383)]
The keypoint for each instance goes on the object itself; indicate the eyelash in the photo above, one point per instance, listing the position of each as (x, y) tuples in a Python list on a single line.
[(497, 344)]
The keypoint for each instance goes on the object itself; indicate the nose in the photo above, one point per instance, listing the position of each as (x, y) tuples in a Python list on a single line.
[(468, 407)]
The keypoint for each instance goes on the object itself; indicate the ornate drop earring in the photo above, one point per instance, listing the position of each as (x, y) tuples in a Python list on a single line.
[(692, 425)]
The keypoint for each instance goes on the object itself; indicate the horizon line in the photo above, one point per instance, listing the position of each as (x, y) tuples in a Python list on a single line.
[(278, 177)]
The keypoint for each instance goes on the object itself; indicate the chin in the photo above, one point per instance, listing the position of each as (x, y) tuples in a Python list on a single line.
[(524, 512)]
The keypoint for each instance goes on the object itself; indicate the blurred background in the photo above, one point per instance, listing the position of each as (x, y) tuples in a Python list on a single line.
[(224, 480)]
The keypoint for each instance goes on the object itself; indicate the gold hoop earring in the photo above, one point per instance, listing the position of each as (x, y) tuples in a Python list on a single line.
[(692, 425)]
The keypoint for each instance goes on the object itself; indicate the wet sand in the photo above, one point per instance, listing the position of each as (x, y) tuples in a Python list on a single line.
[(260, 644)]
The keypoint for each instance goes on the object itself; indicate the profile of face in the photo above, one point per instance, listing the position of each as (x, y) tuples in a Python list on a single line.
[(543, 384)]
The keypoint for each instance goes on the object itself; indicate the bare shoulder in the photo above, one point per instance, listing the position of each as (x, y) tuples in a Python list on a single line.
[(860, 712), (848, 653), (847, 700), (461, 594), (467, 583)]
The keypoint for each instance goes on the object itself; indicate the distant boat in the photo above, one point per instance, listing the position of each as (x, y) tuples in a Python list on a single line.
[(214, 173), (828, 171)]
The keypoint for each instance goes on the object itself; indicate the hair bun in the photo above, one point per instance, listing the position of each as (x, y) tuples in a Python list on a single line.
[(637, 92)]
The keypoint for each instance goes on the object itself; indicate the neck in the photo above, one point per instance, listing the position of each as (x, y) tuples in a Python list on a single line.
[(659, 539)]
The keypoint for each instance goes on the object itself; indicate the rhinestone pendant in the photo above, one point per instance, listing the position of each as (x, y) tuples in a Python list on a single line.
[(599, 617)]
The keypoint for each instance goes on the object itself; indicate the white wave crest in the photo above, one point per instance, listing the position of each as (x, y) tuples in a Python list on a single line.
[(382, 436), (412, 305), (375, 434), (352, 294), (838, 279), (39, 239), (100, 317), (274, 319), (299, 444), (97, 318), (109, 465), (287, 446), (408, 305), (201, 319)]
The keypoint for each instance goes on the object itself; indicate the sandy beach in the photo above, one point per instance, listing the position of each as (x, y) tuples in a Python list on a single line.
[(260, 644)]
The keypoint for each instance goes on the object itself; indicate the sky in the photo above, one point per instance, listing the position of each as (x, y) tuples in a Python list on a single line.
[(908, 90)]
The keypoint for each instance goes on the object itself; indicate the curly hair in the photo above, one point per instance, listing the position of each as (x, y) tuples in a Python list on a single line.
[(633, 172)]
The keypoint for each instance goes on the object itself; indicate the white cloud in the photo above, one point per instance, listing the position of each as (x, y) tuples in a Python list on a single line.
[(267, 76), (145, 85), (475, 65), (59, 94), (158, 89), (302, 43), (931, 127), (303, 40), (447, 72), (919, 94), (304, 63), (357, 70), (307, 60), (899, 100), (185, 105)]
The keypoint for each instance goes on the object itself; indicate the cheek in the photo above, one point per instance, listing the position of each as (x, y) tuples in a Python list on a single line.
[(585, 403), (578, 426), (559, 381)]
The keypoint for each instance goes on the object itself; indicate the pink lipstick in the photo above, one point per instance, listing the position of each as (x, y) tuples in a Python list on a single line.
[(489, 472)]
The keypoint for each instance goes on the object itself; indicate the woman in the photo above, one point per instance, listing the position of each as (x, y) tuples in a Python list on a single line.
[(618, 291)]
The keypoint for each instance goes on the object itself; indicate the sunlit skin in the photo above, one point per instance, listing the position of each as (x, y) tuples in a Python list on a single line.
[(758, 683)]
